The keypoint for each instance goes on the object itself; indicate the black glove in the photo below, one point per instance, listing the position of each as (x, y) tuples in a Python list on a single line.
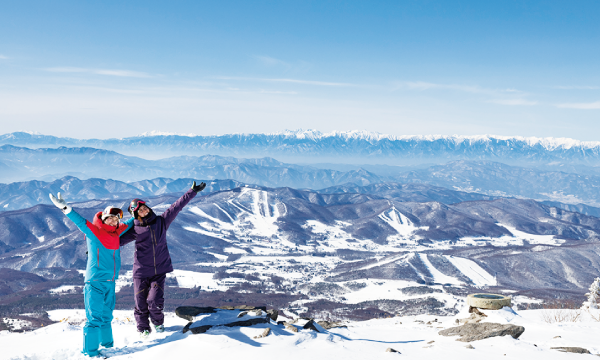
[(198, 188)]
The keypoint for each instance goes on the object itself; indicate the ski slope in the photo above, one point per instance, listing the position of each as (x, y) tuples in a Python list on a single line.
[(438, 276), (469, 268)]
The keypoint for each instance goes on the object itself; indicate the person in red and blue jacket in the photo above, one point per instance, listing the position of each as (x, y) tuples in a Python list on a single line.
[(103, 265), (152, 260)]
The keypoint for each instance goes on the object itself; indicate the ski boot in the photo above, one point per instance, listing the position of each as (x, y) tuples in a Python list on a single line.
[(159, 328), (144, 334)]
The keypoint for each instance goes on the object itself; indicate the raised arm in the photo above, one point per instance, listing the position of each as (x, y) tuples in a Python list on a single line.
[(78, 220), (171, 213)]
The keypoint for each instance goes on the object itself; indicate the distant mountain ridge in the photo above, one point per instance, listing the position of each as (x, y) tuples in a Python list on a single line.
[(481, 176), (354, 146), (54, 163)]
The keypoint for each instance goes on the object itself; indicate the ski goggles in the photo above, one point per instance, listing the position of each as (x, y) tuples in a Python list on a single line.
[(135, 205), (112, 211)]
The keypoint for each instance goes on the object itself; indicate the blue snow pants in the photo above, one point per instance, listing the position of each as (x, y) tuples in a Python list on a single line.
[(99, 297)]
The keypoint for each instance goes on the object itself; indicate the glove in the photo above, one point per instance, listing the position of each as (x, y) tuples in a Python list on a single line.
[(60, 203), (198, 188)]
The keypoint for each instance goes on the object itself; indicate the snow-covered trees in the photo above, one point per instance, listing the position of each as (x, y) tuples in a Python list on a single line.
[(593, 296)]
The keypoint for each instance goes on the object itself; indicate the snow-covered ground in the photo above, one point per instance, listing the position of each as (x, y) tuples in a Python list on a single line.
[(412, 336)]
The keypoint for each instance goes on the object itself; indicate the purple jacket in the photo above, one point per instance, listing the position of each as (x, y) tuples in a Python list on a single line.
[(151, 256)]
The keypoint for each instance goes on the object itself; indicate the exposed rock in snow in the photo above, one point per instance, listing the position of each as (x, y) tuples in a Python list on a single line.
[(479, 331), (572, 349)]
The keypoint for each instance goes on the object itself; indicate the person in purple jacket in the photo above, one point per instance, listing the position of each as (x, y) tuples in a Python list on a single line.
[(152, 261)]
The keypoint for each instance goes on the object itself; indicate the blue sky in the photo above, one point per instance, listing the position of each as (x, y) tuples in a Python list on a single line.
[(113, 69)]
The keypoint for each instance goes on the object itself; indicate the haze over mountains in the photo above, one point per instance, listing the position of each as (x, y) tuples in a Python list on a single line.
[(421, 210), (484, 177)]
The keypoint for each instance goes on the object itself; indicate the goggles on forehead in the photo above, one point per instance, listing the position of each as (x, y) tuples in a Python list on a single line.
[(112, 211), (135, 205)]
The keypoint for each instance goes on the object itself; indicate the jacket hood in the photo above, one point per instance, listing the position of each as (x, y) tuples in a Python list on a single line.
[(101, 225)]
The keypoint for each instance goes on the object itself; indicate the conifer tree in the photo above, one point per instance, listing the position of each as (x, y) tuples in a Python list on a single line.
[(593, 296)]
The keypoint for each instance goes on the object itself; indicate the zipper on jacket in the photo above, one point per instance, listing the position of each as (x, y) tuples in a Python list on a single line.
[(153, 248), (98, 258), (115, 265)]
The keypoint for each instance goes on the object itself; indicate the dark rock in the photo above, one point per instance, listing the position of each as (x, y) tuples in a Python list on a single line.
[(310, 325), (469, 346), (200, 329), (392, 350), (248, 322), (241, 314), (273, 314), (187, 327), (572, 349), (189, 312), (330, 325), (204, 328), (479, 331)]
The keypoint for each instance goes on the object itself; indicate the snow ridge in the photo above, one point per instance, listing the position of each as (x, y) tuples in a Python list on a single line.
[(547, 143)]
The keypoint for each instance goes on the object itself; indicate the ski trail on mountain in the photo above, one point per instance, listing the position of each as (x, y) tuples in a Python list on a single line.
[(470, 269), (226, 213), (438, 276), (398, 222)]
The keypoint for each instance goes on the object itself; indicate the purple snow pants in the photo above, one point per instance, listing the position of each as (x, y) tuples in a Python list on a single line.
[(149, 300)]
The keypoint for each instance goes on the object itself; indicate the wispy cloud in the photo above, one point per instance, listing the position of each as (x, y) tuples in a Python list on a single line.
[(508, 96), (109, 72), (278, 92), (294, 81), (270, 61), (513, 102), (2, 57), (576, 87), (475, 89), (422, 85), (582, 106)]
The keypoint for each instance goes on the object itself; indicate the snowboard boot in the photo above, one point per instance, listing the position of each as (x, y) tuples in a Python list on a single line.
[(159, 328), (144, 334)]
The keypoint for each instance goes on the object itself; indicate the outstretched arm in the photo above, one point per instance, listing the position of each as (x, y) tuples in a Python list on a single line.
[(78, 220), (171, 213)]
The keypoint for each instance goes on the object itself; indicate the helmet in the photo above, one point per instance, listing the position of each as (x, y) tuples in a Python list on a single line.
[(134, 205), (112, 211)]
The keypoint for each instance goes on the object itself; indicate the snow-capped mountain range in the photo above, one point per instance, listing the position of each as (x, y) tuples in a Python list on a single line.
[(350, 146)]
